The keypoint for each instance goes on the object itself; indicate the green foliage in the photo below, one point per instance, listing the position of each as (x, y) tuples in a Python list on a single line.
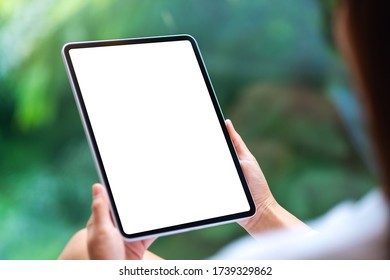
[(268, 64)]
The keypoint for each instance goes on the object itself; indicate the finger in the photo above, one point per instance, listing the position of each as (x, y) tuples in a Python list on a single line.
[(241, 149), (100, 208)]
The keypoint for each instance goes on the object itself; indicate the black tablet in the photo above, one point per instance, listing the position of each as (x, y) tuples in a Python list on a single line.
[(158, 135)]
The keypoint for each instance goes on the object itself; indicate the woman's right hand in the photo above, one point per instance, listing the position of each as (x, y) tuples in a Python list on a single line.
[(269, 214)]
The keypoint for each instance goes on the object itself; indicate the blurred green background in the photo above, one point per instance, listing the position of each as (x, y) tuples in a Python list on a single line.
[(275, 76)]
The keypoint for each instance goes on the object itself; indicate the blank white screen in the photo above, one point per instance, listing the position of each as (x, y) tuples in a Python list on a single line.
[(163, 150)]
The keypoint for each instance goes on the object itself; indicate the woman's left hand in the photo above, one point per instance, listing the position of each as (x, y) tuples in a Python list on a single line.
[(103, 239)]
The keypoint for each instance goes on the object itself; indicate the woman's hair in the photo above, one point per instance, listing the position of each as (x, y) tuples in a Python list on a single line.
[(368, 24)]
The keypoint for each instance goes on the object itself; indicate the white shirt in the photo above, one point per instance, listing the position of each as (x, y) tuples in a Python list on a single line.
[(351, 230)]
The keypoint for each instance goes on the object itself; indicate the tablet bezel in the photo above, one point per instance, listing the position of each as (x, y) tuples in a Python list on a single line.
[(98, 160)]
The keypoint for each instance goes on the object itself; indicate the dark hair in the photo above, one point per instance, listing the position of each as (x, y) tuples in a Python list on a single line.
[(368, 26)]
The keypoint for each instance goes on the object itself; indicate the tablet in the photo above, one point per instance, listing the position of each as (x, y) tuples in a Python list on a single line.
[(158, 135)]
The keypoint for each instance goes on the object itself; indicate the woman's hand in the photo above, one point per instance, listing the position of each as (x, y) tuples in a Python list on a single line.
[(103, 239), (269, 214)]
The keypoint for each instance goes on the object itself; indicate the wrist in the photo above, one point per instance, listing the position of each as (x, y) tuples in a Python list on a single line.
[(271, 216)]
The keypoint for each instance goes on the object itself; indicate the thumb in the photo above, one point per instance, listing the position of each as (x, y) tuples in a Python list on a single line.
[(103, 239), (242, 150), (100, 217)]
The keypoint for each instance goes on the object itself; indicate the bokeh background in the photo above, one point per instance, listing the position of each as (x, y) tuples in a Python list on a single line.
[(276, 75)]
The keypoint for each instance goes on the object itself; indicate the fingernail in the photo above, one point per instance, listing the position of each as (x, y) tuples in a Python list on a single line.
[(96, 191), (231, 123)]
